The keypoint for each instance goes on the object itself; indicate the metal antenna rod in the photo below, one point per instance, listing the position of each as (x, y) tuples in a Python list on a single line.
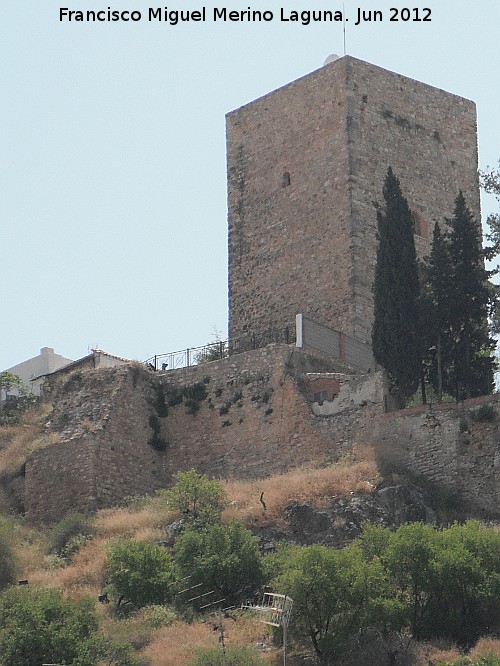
[(221, 627), (344, 20)]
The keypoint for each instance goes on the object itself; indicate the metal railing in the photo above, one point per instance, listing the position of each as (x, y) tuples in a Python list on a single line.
[(214, 351)]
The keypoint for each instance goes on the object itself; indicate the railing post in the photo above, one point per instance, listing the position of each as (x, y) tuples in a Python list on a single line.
[(187, 357)]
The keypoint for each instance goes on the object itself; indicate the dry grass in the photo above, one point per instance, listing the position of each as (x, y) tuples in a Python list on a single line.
[(82, 577), (486, 647), (177, 645), (430, 655), (318, 486), (17, 441), (145, 523)]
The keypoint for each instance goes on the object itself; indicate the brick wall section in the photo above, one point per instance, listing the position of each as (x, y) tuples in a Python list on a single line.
[(310, 247), (61, 479)]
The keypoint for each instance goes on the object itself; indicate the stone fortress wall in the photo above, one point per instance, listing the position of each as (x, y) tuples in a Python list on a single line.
[(255, 420), (255, 415)]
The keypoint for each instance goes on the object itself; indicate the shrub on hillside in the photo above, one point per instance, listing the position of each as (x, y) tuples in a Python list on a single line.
[(40, 626), (7, 562), (484, 414), (142, 572), (432, 584), (194, 493), (156, 616), (44, 627), (69, 534), (234, 656), (224, 558)]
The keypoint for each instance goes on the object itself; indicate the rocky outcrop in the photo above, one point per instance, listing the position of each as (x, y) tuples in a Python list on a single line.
[(342, 521)]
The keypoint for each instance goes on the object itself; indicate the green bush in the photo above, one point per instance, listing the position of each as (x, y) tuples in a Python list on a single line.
[(194, 492), (142, 572), (7, 562), (436, 584), (335, 594), (41, 626), (225, 558), (484, 413), (156, 616), (69, 535), (120, 654), (235, 656)]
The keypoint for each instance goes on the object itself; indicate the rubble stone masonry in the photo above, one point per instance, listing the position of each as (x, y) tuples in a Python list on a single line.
[(253, 420)]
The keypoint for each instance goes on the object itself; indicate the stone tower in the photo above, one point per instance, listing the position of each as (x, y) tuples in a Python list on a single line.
[(306, 164)]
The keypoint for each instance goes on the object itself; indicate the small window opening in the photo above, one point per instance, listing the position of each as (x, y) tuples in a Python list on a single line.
[(285, 182)]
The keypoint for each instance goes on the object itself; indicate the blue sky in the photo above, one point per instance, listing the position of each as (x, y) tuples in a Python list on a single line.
[(112, 154)]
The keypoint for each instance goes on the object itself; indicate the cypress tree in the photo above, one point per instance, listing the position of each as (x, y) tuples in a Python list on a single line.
[(472, 352), (395, 335), (438, 281)]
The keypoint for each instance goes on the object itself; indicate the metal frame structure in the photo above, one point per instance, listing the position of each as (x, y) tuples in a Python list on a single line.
[(279, 608)]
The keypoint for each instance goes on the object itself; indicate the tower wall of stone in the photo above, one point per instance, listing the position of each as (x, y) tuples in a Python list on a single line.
[(310, 246), (287, 243), (429, 138)]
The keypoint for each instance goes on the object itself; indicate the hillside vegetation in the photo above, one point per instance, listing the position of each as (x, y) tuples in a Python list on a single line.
[(128, 546)]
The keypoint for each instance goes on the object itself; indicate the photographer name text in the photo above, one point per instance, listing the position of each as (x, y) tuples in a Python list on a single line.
[(226, 15)]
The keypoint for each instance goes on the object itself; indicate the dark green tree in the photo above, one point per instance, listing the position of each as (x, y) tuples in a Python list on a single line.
[(195, 494), (335, 594), (41, 626), (472, 347), (142, 572), (465, 600), (395, 335), (225, 558), (437, 297), (447, 580), (408, 559), (490, 182), (7, 561)]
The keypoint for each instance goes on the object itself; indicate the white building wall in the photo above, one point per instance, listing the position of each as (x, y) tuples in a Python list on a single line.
[(47, 361)]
